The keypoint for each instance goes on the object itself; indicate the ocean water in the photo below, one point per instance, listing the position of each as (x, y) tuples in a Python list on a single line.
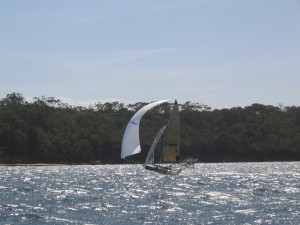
[(220, 193)]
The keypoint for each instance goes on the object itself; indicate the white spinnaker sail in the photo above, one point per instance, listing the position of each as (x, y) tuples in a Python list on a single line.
[(150, 156), (131, 138)]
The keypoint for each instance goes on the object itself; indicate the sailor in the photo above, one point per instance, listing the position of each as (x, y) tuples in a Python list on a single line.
[(191, 162)]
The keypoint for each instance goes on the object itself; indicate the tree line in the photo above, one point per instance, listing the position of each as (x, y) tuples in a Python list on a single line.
[(47, 130)]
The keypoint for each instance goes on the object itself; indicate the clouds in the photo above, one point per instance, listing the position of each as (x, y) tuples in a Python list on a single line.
[(221, 53), (81, 62)]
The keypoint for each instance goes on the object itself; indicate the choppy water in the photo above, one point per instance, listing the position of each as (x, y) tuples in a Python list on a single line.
[(235, 193)]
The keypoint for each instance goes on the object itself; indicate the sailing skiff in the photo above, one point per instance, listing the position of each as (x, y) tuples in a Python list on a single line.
[(169, 163)]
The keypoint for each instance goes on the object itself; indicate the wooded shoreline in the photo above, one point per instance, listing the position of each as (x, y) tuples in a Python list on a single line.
[(48, 131), (33, 164)]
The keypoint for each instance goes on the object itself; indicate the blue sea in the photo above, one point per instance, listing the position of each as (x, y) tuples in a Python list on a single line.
[(218, 193)]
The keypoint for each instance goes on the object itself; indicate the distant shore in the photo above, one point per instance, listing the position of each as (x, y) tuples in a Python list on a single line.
[(33, 164)]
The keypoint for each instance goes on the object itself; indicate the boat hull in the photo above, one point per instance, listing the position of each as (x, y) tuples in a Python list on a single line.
[(161, 169)]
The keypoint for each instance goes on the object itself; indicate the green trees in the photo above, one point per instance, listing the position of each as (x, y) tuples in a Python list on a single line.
[(50, 131)]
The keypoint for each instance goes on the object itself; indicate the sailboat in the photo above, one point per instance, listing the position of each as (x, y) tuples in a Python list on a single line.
[(170, 152)]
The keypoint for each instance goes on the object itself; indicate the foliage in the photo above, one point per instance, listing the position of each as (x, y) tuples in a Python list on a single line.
[(50, 131)]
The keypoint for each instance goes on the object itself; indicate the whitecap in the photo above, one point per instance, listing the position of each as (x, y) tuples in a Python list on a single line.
[(175, 209)]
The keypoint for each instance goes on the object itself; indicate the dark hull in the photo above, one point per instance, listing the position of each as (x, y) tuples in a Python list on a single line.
[(161, 169)]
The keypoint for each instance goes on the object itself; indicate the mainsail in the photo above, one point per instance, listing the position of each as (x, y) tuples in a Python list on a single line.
[(171, 146), (131, 140), (150, 156)]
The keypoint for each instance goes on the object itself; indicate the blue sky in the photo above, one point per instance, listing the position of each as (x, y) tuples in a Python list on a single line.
[(221, 53)]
